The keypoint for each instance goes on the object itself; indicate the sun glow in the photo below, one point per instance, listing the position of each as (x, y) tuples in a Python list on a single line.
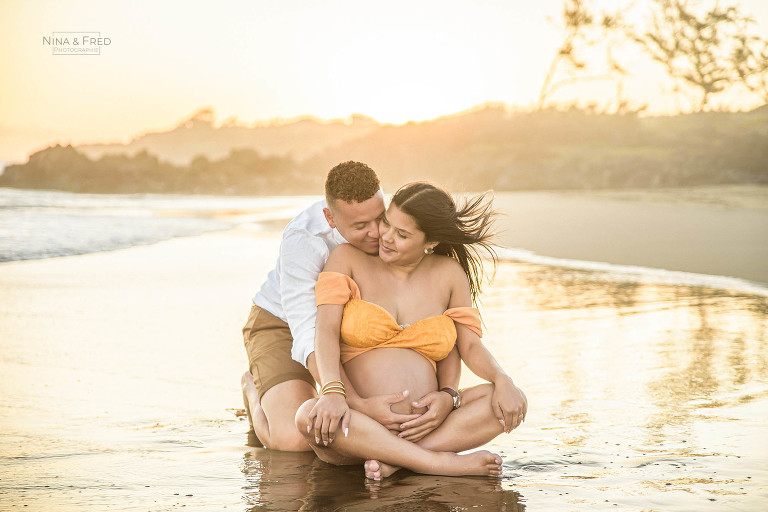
[(396, 62), (406, 75)]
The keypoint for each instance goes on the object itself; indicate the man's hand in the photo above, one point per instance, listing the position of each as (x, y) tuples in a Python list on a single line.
[(379, 408), (509, 403), (439, 405)]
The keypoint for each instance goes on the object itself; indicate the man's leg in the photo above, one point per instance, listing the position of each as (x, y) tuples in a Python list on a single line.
[(276, 385), (273, 419)]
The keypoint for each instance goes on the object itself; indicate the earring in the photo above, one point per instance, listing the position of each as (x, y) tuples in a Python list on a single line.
[(429, 250)]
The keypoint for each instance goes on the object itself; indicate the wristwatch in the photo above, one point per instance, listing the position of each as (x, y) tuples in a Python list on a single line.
[(455, 395)]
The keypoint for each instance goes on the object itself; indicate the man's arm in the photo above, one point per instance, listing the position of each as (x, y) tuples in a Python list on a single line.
[(302, 258)]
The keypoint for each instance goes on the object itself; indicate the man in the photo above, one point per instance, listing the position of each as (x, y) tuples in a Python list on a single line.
[(280, 332)]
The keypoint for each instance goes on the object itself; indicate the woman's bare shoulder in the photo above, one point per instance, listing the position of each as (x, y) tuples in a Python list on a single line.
[(344, 258), (448, 266), (452, 273)]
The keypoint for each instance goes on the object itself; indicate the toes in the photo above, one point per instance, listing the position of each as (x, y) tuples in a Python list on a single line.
[(495, 470), (372, 469), (495, 465)]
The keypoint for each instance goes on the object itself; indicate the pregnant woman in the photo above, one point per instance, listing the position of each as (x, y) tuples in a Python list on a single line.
[(396, 315)]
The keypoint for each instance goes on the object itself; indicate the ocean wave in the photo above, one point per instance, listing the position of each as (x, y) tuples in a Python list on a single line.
[(38, 224), (617, 272)]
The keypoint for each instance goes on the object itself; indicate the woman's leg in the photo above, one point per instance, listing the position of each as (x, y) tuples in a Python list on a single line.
[(471, 425), (368, 439)]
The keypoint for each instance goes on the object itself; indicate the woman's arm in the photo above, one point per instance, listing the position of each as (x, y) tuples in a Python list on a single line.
[(449, 371), (331, 409), (378, 407), (439, 404), (509, 402)]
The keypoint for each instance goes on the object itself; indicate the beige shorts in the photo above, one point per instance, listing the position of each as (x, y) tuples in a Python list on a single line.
[(268, 342)]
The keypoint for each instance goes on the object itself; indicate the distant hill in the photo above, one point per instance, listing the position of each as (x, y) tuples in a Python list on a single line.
[(197, 135), (481, 149), (494, 148)]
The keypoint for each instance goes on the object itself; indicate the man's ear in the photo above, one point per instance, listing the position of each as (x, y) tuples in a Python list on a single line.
[(329, 217)]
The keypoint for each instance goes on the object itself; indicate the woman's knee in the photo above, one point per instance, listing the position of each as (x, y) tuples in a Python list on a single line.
[(302, 415), (480, 392)]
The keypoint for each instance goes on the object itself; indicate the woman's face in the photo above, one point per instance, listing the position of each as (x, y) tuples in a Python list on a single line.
[(400, 241)]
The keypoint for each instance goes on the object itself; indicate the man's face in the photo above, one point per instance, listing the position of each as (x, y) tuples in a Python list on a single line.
[(358, 223)]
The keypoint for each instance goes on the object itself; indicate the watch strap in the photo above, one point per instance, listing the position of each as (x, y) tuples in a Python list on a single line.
[(454, 395)]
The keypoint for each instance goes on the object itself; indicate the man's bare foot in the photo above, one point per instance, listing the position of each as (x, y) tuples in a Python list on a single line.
[(481, 462), (376, 470), (251, 401)]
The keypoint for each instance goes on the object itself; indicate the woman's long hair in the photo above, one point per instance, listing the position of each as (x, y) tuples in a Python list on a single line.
[(462, 233)]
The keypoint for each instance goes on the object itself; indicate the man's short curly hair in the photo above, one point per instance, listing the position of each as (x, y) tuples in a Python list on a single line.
[(351, 181)]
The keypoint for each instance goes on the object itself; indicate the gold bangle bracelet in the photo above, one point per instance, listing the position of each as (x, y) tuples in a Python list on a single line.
[(332, 387), (333, 383), (339, 391)]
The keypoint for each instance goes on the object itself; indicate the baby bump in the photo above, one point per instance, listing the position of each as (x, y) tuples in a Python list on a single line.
[(382, 371)]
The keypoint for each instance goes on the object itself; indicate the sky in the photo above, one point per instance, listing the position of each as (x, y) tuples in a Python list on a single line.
[(256, 60)]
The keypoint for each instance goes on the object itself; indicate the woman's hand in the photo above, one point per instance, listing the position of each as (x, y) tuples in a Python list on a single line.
[(509, 403), (439, 405), (379, 408), (330, 411)]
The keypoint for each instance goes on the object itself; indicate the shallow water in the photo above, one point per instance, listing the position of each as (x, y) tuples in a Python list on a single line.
[(117, 370), (37, 224), (643, 396)]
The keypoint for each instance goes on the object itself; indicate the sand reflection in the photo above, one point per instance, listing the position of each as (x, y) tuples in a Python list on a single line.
[(289, 481), (635, 387)]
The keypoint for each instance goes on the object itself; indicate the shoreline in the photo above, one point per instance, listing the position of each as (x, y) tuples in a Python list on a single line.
[(707, 231), (713, 236), (607, 270), (636, 273)]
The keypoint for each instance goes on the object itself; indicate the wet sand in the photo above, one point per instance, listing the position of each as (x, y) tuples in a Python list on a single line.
[(117, 370), (718, 230)]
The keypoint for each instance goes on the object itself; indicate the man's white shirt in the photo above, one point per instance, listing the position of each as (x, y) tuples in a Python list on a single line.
[(289, 291)]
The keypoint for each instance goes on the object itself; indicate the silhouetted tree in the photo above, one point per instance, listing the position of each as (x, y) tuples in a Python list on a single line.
[(583, 29), (695, 48), (750, 60)]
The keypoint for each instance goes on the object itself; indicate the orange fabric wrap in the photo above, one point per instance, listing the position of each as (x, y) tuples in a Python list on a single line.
[(365, 325), (335, 288)]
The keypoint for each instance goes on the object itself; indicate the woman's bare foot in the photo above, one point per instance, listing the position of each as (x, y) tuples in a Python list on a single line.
[(481, 462), (251, 401), (376, 470)]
